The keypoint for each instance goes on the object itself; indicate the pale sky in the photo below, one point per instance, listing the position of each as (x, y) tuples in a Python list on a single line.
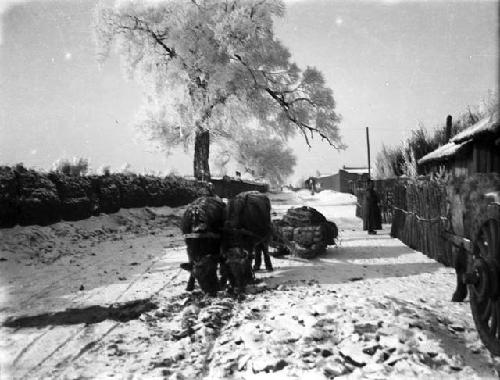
[(390, 64)]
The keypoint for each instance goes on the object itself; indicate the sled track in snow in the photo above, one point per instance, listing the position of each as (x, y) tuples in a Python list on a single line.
[(43, 291), (74, 335)]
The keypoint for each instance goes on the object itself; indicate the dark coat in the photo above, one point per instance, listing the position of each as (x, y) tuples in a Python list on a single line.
[(372, 219)]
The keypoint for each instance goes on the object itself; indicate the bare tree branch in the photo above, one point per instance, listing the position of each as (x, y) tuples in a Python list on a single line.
[(278, 96)]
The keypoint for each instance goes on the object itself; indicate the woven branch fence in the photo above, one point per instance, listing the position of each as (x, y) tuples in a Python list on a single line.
[(420, 218), (421, 210)]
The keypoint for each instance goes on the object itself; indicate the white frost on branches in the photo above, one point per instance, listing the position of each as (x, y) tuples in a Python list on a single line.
[(213, 65)]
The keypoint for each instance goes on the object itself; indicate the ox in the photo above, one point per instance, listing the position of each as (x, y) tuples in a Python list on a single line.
[(202, 225), (247, 229)]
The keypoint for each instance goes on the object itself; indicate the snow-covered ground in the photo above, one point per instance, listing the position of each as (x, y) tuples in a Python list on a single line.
[(368, 308)]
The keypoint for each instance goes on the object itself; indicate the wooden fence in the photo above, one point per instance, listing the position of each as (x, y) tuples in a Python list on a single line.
[(421, 210), (420, 218), (424, 210)]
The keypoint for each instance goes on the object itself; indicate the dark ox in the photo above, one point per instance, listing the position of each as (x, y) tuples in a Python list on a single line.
[(247, 230), (202, 225)]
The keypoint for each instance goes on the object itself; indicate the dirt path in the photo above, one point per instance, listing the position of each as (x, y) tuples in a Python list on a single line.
[(370, 307)]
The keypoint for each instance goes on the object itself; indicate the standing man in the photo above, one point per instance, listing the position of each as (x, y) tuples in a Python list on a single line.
[(371, 211), (312, 185)]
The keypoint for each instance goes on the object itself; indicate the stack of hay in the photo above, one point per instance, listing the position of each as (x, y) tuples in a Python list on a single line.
[(304, 232)]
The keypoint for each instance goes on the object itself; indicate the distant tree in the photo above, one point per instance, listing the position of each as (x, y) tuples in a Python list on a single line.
[(126, 168), (76, 167), (389, 162), (268, 157), (222, 159), (420, 142), (489, 104), (104, 170), (209, 66), (409, 167), (300, 183), (415, 147)]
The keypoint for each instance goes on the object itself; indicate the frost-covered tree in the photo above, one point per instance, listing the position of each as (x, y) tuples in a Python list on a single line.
[(210, 66), (268, 157), (389, 162), (222, 159)]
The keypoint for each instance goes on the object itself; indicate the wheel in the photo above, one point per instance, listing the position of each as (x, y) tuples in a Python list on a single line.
[(483, 279)]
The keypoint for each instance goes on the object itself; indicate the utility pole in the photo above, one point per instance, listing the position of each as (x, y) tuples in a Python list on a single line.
[(368, 149)]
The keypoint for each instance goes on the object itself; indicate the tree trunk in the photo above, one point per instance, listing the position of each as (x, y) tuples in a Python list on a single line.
[(201, 155)]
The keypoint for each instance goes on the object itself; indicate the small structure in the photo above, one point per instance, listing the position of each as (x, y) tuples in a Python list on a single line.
[(474, 150), (345, 180)]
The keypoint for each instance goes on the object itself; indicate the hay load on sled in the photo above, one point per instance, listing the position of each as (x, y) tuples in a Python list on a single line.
[(303, 232)]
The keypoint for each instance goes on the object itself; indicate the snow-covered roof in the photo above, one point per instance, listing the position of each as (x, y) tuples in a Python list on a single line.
[(488, 124), (443, 152), (356, 170)]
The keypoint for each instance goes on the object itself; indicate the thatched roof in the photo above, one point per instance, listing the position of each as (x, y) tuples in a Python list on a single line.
[(443, 152), (487, 125), (355, 170)]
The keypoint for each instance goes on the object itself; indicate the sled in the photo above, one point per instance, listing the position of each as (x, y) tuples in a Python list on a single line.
[(303, 232)]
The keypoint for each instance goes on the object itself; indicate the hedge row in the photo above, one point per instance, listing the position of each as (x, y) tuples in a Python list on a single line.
[(30, 197)]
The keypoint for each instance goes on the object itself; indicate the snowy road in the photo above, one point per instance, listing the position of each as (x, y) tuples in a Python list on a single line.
[(368, 308)]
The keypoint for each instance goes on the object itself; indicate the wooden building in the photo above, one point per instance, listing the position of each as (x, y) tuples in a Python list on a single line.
[(474, 150), (343, 181)]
